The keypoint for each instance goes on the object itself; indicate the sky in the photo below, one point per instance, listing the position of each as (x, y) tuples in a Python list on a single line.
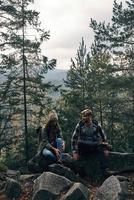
[(68, 21)]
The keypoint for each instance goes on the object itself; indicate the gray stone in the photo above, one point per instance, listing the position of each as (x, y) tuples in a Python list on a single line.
[(124, 190), (90, 166), (13, 188), (28, 177), (50, 185), (37, 164), (63, 171), (112, 189), (13, 174), (78, 191), (121, 161), (2, 187), (122, 178)]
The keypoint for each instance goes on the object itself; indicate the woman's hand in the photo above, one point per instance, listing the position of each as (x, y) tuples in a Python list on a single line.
[(57, 153)]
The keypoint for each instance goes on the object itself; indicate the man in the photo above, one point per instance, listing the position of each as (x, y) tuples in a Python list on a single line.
[(88, 138)]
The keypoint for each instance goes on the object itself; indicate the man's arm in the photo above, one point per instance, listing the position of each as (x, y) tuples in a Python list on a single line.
[(104, 140), (102, 134)]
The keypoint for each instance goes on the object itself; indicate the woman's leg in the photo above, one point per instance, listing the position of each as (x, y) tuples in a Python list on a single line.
[(60, 145), (48, 154)]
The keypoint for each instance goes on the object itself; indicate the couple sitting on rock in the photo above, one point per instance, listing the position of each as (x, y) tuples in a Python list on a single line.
[(88, 138)]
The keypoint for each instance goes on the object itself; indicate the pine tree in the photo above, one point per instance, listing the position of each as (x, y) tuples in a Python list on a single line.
[(23, 67), (77, 78), (117, 38)]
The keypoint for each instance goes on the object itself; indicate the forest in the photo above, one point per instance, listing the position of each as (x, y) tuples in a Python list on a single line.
[(101, 78)]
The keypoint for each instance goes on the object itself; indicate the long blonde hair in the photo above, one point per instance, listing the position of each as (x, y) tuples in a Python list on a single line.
[(52, 116)]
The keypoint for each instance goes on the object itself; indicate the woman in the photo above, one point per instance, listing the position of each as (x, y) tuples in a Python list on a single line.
[(52, 144)]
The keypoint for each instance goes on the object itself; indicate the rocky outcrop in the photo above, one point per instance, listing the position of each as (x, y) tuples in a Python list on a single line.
[(90, 166), (66, 185)]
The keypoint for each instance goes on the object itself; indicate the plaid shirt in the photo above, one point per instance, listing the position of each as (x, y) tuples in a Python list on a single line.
[(96, 135)]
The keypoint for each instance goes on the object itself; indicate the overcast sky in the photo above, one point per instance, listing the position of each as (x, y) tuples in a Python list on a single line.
[(68, 21)]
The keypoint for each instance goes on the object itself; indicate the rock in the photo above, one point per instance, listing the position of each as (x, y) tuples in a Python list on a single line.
[(2, 188), (50, 185), (122, 178), (63, 171), (121, 161), (28, 177), (2, 185), (90, 166), (112, 189), (85, 166), (2, 176), (37, 164), (13, 188), (13, 174), (124, 190), (77, 191)]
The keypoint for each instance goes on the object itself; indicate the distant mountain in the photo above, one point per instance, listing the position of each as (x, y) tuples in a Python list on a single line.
[(56, 76)]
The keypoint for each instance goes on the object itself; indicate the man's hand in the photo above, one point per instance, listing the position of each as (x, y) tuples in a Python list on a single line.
[(75, 155), (104, 143), (106, 146), (106, 152)]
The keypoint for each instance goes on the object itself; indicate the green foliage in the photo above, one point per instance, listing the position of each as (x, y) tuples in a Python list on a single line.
[(23, 70), (117, 38), (3, 167), (103, 80)]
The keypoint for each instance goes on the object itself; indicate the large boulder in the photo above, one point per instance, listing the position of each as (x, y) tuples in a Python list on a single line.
[(50, 186), (121, 161), (12, 189), (37, 164), (77, 191), (85, 166), (90, 166), (112, 189), (63, 171), (9, 188), (13, 174)]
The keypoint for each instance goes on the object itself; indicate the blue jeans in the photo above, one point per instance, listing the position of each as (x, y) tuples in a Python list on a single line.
[(49, 154)]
